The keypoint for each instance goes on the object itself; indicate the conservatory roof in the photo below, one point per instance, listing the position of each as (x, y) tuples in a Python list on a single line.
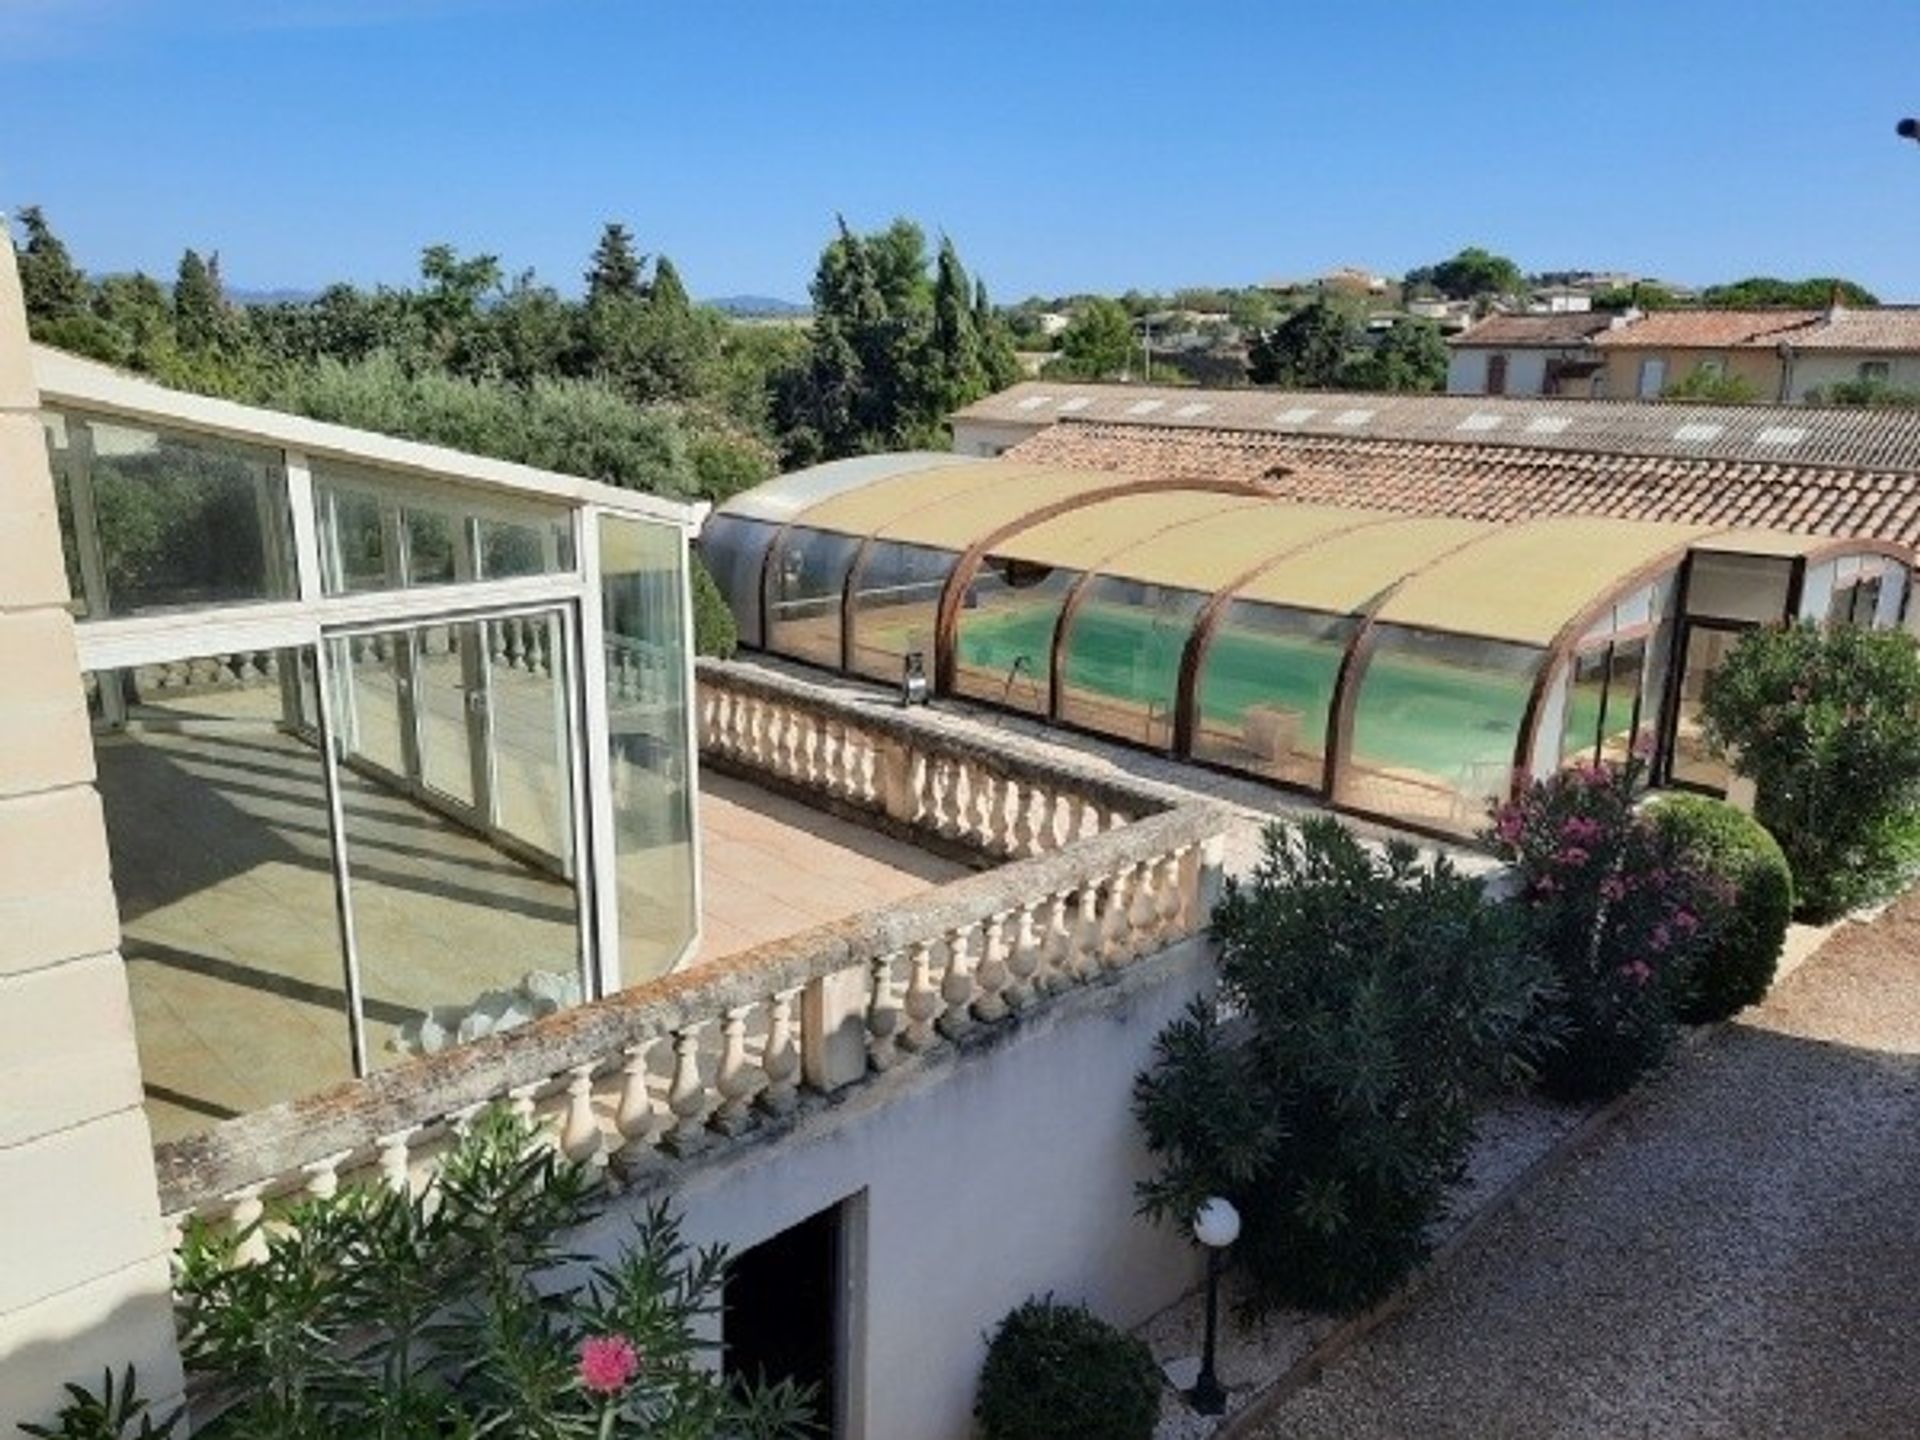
[(782, 498)]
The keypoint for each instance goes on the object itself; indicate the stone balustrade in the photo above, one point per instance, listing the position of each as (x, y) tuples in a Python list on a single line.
[(1094, 874), (896, 767)]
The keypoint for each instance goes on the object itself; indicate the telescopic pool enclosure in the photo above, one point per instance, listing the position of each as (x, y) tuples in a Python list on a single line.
[(1413, 668)]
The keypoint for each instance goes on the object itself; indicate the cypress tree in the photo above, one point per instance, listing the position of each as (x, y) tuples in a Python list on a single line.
[(197, 303), (614, 271), (52, 284)]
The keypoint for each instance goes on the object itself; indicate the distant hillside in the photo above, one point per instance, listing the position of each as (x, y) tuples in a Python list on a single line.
[(271, 297), (757, 305)]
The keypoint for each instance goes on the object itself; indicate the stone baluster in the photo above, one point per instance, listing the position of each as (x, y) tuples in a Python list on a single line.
[(323, 1175), (246, 1218), (781, 1058), (687, 1095), (738, 1081), (919, 788), (1087, 960), (636, 1119), (1172, 895), (1143, 914), (1056, 950), (1023, 957), (991, 976), (1118, 899), (883, 1015), (923, 1000), (956, 985), (998, 832), (580, 1138), (395, 1152)]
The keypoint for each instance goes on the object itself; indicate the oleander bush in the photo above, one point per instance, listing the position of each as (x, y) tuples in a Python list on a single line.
[(1749, 928), (1619, 911), (1060, 1372), (1825, 720), (1375, 997), (458, 1312)]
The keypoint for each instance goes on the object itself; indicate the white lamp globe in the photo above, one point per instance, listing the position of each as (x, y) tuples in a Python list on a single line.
[(1216, 1224)]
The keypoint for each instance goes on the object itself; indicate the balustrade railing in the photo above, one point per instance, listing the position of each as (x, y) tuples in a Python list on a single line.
[(1098, 875)]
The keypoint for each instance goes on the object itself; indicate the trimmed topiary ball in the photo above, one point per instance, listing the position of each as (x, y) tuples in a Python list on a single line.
[(1751, 929), (1059, 1372)]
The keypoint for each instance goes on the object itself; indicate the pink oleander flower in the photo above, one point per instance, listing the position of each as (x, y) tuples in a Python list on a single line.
[(1509, 827), (1572, 856), (1637, 971), (1613, 888), (608, 1363), (1685, 921), (1581, 830), (1661, 937)]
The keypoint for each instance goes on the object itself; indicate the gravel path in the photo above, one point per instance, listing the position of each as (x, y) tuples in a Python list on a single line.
[(1739, 1256)]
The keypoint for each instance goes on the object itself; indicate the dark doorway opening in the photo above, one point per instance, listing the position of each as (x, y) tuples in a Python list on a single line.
[(782, 1317)]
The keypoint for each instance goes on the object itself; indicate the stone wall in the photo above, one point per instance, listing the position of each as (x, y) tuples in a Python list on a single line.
[(83, 1269)]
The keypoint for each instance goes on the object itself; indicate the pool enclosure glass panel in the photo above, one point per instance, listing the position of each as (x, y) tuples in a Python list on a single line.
[(1749, 588), (734, 551), (1003, 644), (896, 607), (1120, 663), (641, 587), (1265, 690), (381, 530), (806, 581), (1436, 725), (155, 519)]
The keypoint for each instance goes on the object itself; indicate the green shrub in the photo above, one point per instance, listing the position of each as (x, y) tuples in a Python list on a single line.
[(714, 630), (1617, 912), (1380, 996), (1826, 723), (1059, 1372), (117, 1412), (457, 1311), (1749, 927)]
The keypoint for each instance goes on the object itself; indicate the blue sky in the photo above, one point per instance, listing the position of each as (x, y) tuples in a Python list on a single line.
[(1064, 144)]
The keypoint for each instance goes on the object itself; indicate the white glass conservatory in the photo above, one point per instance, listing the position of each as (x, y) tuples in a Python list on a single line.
[(394, 742)]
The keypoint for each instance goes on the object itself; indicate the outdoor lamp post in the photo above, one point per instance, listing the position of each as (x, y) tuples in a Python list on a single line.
[(1216, 1225)]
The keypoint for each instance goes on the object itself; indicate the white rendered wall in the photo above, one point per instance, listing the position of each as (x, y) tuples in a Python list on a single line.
[(985, 1180), (989, 437), (1817, 370)]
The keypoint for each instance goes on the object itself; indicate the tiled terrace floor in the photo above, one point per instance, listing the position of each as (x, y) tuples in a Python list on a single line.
[(222, 864)]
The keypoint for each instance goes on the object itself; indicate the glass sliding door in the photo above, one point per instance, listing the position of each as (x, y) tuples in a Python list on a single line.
[(465, 903)]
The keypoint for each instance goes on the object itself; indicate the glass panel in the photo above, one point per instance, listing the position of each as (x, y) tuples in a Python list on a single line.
[(458, 933), (1626, 700), (1586, 698), (643, 590), (370, 725), (734, 552), (180, 520), (1435, 726), (1121, 669), (444, 684), (1739, 587), (896, 607), (1693, 763), (1003, 651), (804, 586), (524, 695), (1266, 689), (361, 513), (217, 826)]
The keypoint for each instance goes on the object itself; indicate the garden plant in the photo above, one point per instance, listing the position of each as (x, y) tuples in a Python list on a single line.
[(1826, 722), (1060, 1372), (1750, 929), (1375, 998), (1618, 910), (457, 1311)]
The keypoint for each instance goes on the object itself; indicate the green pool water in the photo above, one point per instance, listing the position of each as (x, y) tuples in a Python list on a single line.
[(1413, 714)]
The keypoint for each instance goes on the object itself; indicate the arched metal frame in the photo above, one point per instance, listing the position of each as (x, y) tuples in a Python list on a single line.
[(1356, 658)]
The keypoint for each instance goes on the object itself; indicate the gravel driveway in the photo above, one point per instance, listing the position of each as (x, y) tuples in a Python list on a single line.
[(1739, 1256)]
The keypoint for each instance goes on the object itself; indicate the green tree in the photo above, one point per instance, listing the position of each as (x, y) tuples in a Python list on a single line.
[(999, 362), (1411, 356), (1470, 275), (1643, 295), (1826, 722), (954, 343), (1764, 291), (52, 285), (1307, 350), (199, 308), (448, 303), (615, 271), (1719, 387), (1099, 343)]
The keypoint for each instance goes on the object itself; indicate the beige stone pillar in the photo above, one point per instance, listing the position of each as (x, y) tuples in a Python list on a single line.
[(83, 1269)]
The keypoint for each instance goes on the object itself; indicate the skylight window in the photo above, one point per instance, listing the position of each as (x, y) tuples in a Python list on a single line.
[(1781, 435), (1187, 412), (1034, 402), (1479, 420), (1353, 417), (1547, 424), (1144, 407), (1078, 402), (1299, 415), (1696, 433)]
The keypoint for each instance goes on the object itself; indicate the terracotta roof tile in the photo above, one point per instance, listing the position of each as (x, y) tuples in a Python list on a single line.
[(1707, 329), (1520, 331)]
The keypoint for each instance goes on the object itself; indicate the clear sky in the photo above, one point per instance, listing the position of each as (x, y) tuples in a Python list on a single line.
[(1064, 144)]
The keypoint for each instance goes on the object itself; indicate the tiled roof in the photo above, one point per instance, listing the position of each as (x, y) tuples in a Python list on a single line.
[(1886, 439), (1504, 482), (1519, 331), (1889, 328), (1707, 329)]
